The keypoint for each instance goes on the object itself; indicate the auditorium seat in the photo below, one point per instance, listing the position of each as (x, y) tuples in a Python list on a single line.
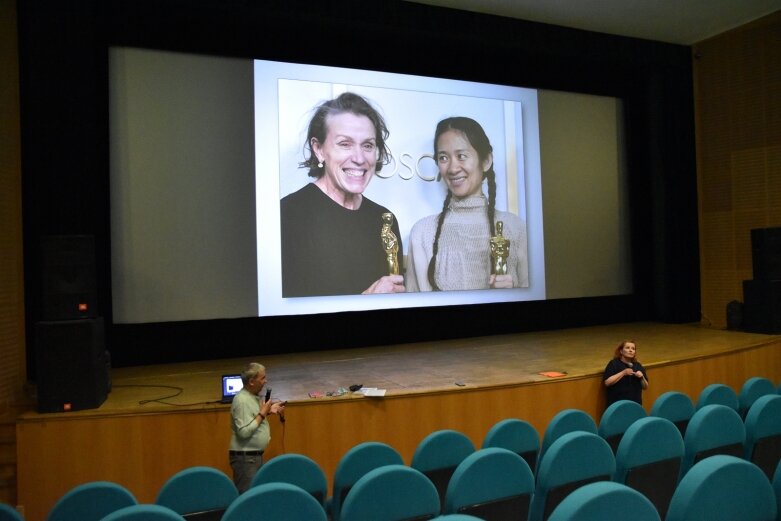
[(391, 493), (573, 460), (438, 454), (777, 489), (605, 501), (616, 420), (516, 435), (198, 493), (91, 502), (355, 463), (9, 513), (714, 429), (493, 484), (649, 458), (763, 433), (723, 488), (718, 394), (674, 406), (295, 469), (275, 502), (143, 512), (566, 421), (752, 389)]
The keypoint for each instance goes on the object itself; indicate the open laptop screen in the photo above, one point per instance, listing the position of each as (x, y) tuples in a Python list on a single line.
[(231, 384)]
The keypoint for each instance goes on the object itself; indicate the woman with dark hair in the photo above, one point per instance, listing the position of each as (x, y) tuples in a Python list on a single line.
[(330, 232), (625, 377), (452, 250)]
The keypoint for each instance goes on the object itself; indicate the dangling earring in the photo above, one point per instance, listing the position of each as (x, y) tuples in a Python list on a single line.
[(320, 164)]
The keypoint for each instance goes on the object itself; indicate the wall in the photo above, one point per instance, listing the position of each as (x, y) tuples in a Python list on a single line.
[(12, 368), (737, 79)]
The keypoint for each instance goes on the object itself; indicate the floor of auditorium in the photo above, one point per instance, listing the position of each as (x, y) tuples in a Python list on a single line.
[(423, 367)]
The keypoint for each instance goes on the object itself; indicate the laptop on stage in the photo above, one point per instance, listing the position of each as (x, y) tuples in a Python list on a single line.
[(231, 384)]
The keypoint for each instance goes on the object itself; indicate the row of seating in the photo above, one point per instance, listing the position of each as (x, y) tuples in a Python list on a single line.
[(491, 484), (678, 407), (719, 488)]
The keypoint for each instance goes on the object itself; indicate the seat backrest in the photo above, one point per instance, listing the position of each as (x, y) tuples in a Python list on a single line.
[(777, 489), (144, 512), (649, 458), (197, 489), (91, 501), (718, 394), (278, 501), (516, 435), (573, 460), (9, 513), (605, 501), (355, 463), (752, 389), (489, 483), (763, 433), (392, 492), (723, 488), (438, 455), (714, 429), (617, 419), (295, 469), (674, 406), (566, 421)]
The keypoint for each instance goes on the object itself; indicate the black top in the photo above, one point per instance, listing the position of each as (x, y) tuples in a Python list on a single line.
[(628, 387), (328, 249)]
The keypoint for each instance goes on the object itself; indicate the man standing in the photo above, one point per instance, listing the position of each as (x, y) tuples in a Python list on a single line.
[(251, 432)]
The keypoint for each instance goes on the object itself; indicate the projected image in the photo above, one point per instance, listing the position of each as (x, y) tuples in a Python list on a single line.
[(201, 162), (393, 184)]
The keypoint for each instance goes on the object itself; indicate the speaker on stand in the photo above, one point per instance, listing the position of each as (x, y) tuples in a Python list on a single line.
[(68, 280), (762, 294), (71, 360), (72, 368)]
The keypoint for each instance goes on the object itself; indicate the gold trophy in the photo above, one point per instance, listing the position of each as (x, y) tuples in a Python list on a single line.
[(500, 250), (390, 243)]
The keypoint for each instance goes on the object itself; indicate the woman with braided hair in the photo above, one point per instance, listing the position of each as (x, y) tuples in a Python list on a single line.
[(451, 250)]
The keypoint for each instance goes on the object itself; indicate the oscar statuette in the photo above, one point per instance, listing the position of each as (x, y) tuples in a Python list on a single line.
[(500, 250), (390, 243)]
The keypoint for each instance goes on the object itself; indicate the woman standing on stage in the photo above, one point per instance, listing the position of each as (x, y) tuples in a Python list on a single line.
[(625, 377)]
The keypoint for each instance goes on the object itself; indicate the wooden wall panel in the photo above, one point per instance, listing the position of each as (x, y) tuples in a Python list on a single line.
[(12, 368), (738, 130)]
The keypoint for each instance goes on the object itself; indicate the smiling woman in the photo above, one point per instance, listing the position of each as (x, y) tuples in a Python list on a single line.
[(452, 250), (330, 231)]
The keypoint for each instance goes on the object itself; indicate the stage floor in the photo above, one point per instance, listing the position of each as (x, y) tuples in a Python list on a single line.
[(485, 362)]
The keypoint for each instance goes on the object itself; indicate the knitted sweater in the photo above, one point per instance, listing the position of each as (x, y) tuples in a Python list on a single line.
[(464, 257)]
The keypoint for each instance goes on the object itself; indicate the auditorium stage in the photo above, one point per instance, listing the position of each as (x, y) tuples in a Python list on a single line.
[(142, 433), (483, 362)]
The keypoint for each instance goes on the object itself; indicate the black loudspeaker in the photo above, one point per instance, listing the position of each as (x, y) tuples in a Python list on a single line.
[(766, 253), (68, 280), (762, 306), (72, 367)]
